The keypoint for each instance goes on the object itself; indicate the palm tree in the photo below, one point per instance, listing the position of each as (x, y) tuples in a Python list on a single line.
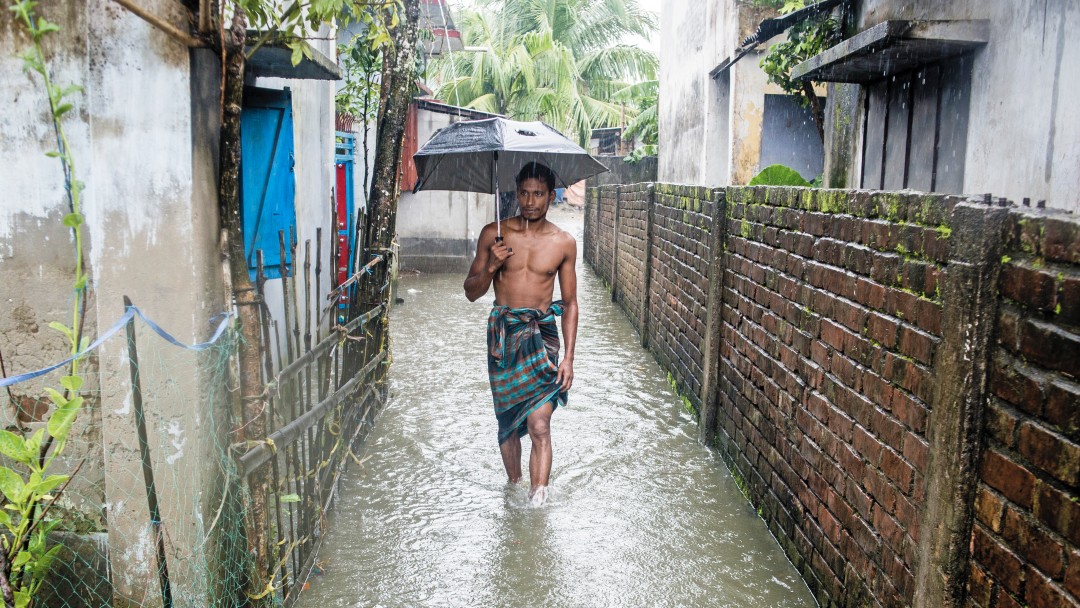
[(561, 61)]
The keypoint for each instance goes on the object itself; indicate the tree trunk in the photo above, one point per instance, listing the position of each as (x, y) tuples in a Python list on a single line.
[(253, 405), (398, 81), (816, 111)]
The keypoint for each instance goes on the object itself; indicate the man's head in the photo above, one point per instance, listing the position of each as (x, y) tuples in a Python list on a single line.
[(535, 170), (535, 190)]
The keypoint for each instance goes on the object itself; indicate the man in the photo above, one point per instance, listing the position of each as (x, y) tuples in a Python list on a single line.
[(527, 379)]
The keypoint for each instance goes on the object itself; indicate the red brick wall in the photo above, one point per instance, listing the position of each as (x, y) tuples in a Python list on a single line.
[(830, 324), (1027, 517), (831, 321), (632, 246), (603, 239), (682, 222)]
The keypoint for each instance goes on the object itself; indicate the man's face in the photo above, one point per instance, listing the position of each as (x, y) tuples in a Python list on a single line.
[(534, 198)]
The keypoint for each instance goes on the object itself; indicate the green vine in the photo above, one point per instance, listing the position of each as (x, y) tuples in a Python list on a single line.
[(29, 491), (804, 40)]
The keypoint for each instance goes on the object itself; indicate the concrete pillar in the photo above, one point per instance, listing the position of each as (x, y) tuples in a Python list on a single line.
[(646, 315), (714, 322), (615, 244), (969, 292)]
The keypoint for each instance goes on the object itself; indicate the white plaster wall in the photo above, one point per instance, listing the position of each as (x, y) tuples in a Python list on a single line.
[(710, 129), (685, 56), (1023, 134)]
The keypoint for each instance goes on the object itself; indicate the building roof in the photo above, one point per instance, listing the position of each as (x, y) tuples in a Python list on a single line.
[(274, 59)]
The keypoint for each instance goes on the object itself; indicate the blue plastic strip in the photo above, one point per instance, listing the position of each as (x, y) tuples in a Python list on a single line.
[(128, 314)]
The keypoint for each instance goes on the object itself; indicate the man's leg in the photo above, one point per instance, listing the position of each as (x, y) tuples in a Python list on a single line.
[(511, 457), (540, 456)]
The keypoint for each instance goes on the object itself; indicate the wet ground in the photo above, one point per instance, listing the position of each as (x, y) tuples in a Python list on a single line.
[(640, 514)]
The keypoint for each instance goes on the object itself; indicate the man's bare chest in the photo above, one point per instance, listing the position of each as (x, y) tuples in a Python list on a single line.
[(535, 256)]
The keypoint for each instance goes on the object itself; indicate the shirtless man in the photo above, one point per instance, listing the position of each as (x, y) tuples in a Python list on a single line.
[(528, 383)]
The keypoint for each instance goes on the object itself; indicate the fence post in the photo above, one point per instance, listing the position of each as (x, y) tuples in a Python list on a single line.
[(147, 468), (954, 428), (714, 318), (646, 313)]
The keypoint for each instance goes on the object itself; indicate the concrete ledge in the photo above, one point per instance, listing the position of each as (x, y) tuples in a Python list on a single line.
[(893, 47)]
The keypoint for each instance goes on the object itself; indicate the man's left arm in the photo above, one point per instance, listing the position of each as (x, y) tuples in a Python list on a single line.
[(568, 287)]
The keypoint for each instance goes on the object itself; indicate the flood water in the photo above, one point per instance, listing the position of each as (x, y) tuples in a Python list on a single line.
[(640, 514)]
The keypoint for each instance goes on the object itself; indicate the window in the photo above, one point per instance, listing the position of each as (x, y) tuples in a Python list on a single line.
[(916, 128)]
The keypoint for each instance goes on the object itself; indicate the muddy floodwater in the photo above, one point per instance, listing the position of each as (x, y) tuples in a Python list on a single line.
[(640, 514)]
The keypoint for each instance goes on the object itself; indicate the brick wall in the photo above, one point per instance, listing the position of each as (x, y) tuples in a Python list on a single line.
[(1027, 527), (838, 346), (588, 244), (682, 223), (631, 266), (831, 317), (604, 239)]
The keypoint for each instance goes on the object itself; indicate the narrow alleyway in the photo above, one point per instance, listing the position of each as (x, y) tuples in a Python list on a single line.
[(640, 514)]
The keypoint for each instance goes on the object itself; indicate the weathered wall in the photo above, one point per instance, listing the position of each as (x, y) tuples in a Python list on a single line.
[(151, 234), (37, 262), (830, 323), (711, 129), (621, 172), (1027, 532), (1019, 90), (837, 345), (438, 230), (683, 79)]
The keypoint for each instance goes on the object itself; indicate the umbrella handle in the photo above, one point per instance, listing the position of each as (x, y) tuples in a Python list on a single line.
[(498, 196)]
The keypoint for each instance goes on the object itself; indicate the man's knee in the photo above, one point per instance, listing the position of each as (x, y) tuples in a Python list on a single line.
[(539, 428)]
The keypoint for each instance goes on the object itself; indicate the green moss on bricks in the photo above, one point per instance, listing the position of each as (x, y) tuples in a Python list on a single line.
[(944, 231), (689, 407), (831, 201), (1005, 259)]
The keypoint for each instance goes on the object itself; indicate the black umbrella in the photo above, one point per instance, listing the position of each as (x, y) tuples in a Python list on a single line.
[(466, 156)]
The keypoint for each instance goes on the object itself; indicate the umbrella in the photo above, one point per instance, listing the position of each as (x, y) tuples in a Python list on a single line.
[(466, 156)]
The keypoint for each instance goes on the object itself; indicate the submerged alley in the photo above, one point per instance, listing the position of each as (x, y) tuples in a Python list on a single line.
[(639, 508)]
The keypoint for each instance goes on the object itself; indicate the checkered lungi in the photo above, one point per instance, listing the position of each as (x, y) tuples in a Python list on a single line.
[(523, 363)]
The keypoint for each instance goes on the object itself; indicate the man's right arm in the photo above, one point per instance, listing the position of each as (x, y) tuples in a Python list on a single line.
[(489, 258)]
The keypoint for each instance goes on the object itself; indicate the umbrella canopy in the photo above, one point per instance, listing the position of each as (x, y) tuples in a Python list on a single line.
[(471, 155)]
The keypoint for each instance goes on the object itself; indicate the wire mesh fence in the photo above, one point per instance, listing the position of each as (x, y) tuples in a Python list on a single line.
[(171, 501)]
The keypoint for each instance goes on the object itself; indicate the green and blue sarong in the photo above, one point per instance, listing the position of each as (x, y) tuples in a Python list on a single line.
[(523, 364)]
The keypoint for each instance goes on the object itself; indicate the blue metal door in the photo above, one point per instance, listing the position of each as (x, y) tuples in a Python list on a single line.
[(267, 182)]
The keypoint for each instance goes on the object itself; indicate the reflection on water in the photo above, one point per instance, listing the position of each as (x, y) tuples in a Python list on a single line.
[(639, 514)]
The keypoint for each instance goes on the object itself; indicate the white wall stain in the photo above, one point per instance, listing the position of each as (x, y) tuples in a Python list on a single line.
[(177, 440), (126, 409)]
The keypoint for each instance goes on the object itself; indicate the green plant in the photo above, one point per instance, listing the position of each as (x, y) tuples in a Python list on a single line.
[(299, 19), (638, 154), (779, 175), (28, 488), (560, 61), (645, 126), (804, 40)]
